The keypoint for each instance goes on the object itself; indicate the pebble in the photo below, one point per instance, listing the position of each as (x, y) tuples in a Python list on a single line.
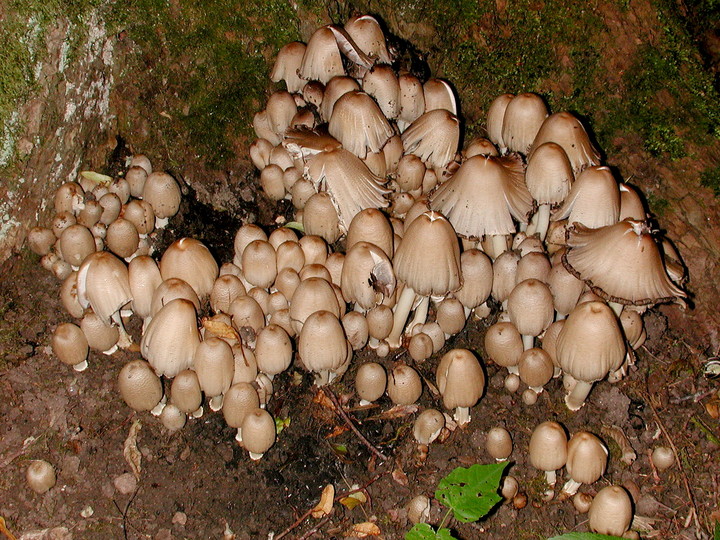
[(125, 483), (180, 518)]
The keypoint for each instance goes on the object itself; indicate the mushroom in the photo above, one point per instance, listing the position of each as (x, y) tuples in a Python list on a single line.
[(226, 288), (287, 63), (169, 290), (420, 346), (610, 511), (368, 36), (76, 242), (190, 260), (524, 114), (495, 118), (548, 449), (589, 346), (418, 509), (662, 458), (40, 476), (240, 400), (359, 124), (185, 393), (140, 387), (99, 335), (356, 329), (461, 381), (322, 60), (503, 345), (320, 217), (311, 295), (163, 193), (530, 306), (594, 199), (535, 368), (273, 350), (428, 425), (477, 273), (370, 382), (404, 385), (68, 296), (215, 367), (136, 177), (173, 418), (498, 443), (411, 100), (370, 225), (367, 276), (322, 346), (586, 460), (258, 432), (70, 345), (566, 130), (122, 238), (433, 137), (41, 240)]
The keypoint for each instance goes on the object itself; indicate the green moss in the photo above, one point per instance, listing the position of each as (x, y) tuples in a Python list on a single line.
[(710, 178)]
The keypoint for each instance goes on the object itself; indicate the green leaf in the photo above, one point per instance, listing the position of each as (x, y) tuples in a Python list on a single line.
[(716, 534), (295, 225), (99, 179), (584, 536), (471, 493), (423, 531)]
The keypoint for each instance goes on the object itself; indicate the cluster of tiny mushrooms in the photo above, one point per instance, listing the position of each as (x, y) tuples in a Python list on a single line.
[(527, 218)]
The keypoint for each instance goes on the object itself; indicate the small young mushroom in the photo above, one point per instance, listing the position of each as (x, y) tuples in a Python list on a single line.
[(273, 350), (40, 476), (258, 432), (190, 260), (535, 368), (140, 387), (662, 458), (461, 381), (404, 385), (322, 346), (498, 443), (586, 461), (99, 335), (428, 425), (70, 345), (418, 509), (185, 393), (240, 400), (370, 382), (548, 449), (215, 367), (173, 418), (610, 511)]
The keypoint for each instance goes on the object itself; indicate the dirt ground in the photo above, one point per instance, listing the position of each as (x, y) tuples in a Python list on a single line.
[(199, 483)]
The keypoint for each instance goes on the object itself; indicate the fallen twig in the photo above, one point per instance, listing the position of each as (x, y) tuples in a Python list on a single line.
[(693, 510), (339, 410), (5, 531)]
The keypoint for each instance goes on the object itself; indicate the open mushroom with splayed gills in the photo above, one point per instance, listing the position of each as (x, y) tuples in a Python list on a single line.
[(103, 284), (428, 262), (483, 197), (586, 461), (359, 124), (548, 449), (461, 381), (589, 346), (621, 263), (433, 137)]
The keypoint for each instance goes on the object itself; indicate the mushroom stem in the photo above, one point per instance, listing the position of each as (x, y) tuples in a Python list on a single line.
[(402, 310), (238, 435), (462, 415), (322, 378), (155, 411), (82, 366), (528, 342), (255, 457), (420, 316), (576, 398), (550, 478), (570, 488), (125, 340), (513, 370), (542, 221), (198, 413), (216, 403)]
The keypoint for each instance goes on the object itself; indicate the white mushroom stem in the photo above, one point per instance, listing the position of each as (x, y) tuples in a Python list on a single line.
[(198, 413), (560, 316), (161, 223), (216, 403), (537, 389), (238, 435), (254, 456), (82, 366), (402, 310), (540, 222), (111, 350), (420, 316), (550, 478), (570, 488), (499, 245), (124, 341), (528, 342), (462, 415), (158, 409), (513, 370), (576, 398), (322, 378), (373, 343)]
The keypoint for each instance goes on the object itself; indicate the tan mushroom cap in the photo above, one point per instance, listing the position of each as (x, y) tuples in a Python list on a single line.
[(76, 243), (122, 238), (368, 36), (586, 460), (136, 177), (70, 345), (610, 511), (185, 392), (382, 84), (258, 432), (439, 94), (498, 443), (411, 98), (41, 240), (140, 387), (273, 350), (549, 174), (215, 366), (523, 117), (320, 217), (322, 60), (140, 214), (548, 449), (103, 284), (371, 225), (321, 345), (503, 345), (420, 346), (461, 381), (621, 263), (163, 193), (287, 64), (40, 476), (311, 295), (594, 199), (370, 382), (100, 336), (530, 306), (536, 368), (367, 276), (433, 137), (566, 130), (404, 385), (428, 425), (191, 260), (240, 400), (170, 289), (477, 272), (495, 117)]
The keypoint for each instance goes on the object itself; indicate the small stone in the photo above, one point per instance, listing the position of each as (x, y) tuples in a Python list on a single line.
[(180, 518), (185, 453), (125, 483), (87, 511), (163, 534), (108, 490)]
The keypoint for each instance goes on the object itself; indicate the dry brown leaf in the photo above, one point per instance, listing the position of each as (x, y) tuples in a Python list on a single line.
[(130, 450), (713, 408), (324, 507), (337, 431), (363, 530), (220, 329), (354, 499), (322, 399), (398, 411), (400, 477)]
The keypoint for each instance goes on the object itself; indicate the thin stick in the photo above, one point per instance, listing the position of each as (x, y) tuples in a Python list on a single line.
[(315, 529), (5, 531), (338, 409), (694, 509)]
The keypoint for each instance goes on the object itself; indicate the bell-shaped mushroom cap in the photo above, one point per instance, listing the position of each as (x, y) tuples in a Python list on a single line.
[(367, 276), (594, 199), (621, 263), (140, 214), (433, 137), (632, 326), (311, 295), (136, 177), (225, 289), (170, 340), (359, 124), (259, 263), (40, 476), (91, 214), (461, 382), (246, 312), (503, 344), (484, 196), (287, 64), (369, 37), (477, 273), (566, 130), (530, 306), (258, 432), (69, 197), (103, 284), (356, 329), (70, 345), (185, 392), (565, 288), (420, 346), (76, 243), (371, 225), (163, 193), (450, 315), (523, 117), (40, 240), (404, 385), (380, 321), (245, 364), (122, 238), (139, 386), (273, 350), (534, 264), (382, 84), (322, 60), (428, 425), (271, 181), (610, 511), (190, 260), (214, 366), (141, 160), (439, 95), (586, 459), (411, 98), (62, 221), (321, 345), (428, 259), (314, 248), (68, 296), (631, 204), (320, 217), (495, 117), (549, 174), (548, 446), (244, 235), (240, 400), (498, 443), (479, 146), (336, 88), (536, 368), (504, 273), (260, 153), (370, 381), (100, 336), (348, 180), (169, 290), (172, 418)]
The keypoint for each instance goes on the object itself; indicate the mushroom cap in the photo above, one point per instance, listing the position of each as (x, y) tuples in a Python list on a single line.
[(103, 284), (370, 225), (226, 288), (173, 418), (163, 193), (477, 273), (169, 290), (610, 511), (258, 431), (191, 260), (504, 274), (356, 329), (320, 217), (370, 381), (311, 295), (533, 264), (244, 235), (548, 446), (503, 344), (214, 366), (433, 137), (68, 296), (322, 345), (367, 34), (439, 94), (450, 315), (76, 243), (483, 197), (136, 177), (140, 214), (322, 60), (40, 240), (662, 458), (139, 386), (367, 276), (587, 457), (535, 367), (420, 346), (523, 117), (70, 344), (273, 349), (427, 426), (171, 337), (287, 64), (530, 306), (460, 379), (382, 84), (591, 342), (479, 146), (404, 385), (411, 98), (247, 312), (498, 443), (100, 336), (259, 263), (239, 401), (185, 391), (428, 259), (549, 174), (621, 263), (380, 321), (40, 476), (122, 238), (564, 286), (566, 130), (359, 124), (495, 117), (594, 199)]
